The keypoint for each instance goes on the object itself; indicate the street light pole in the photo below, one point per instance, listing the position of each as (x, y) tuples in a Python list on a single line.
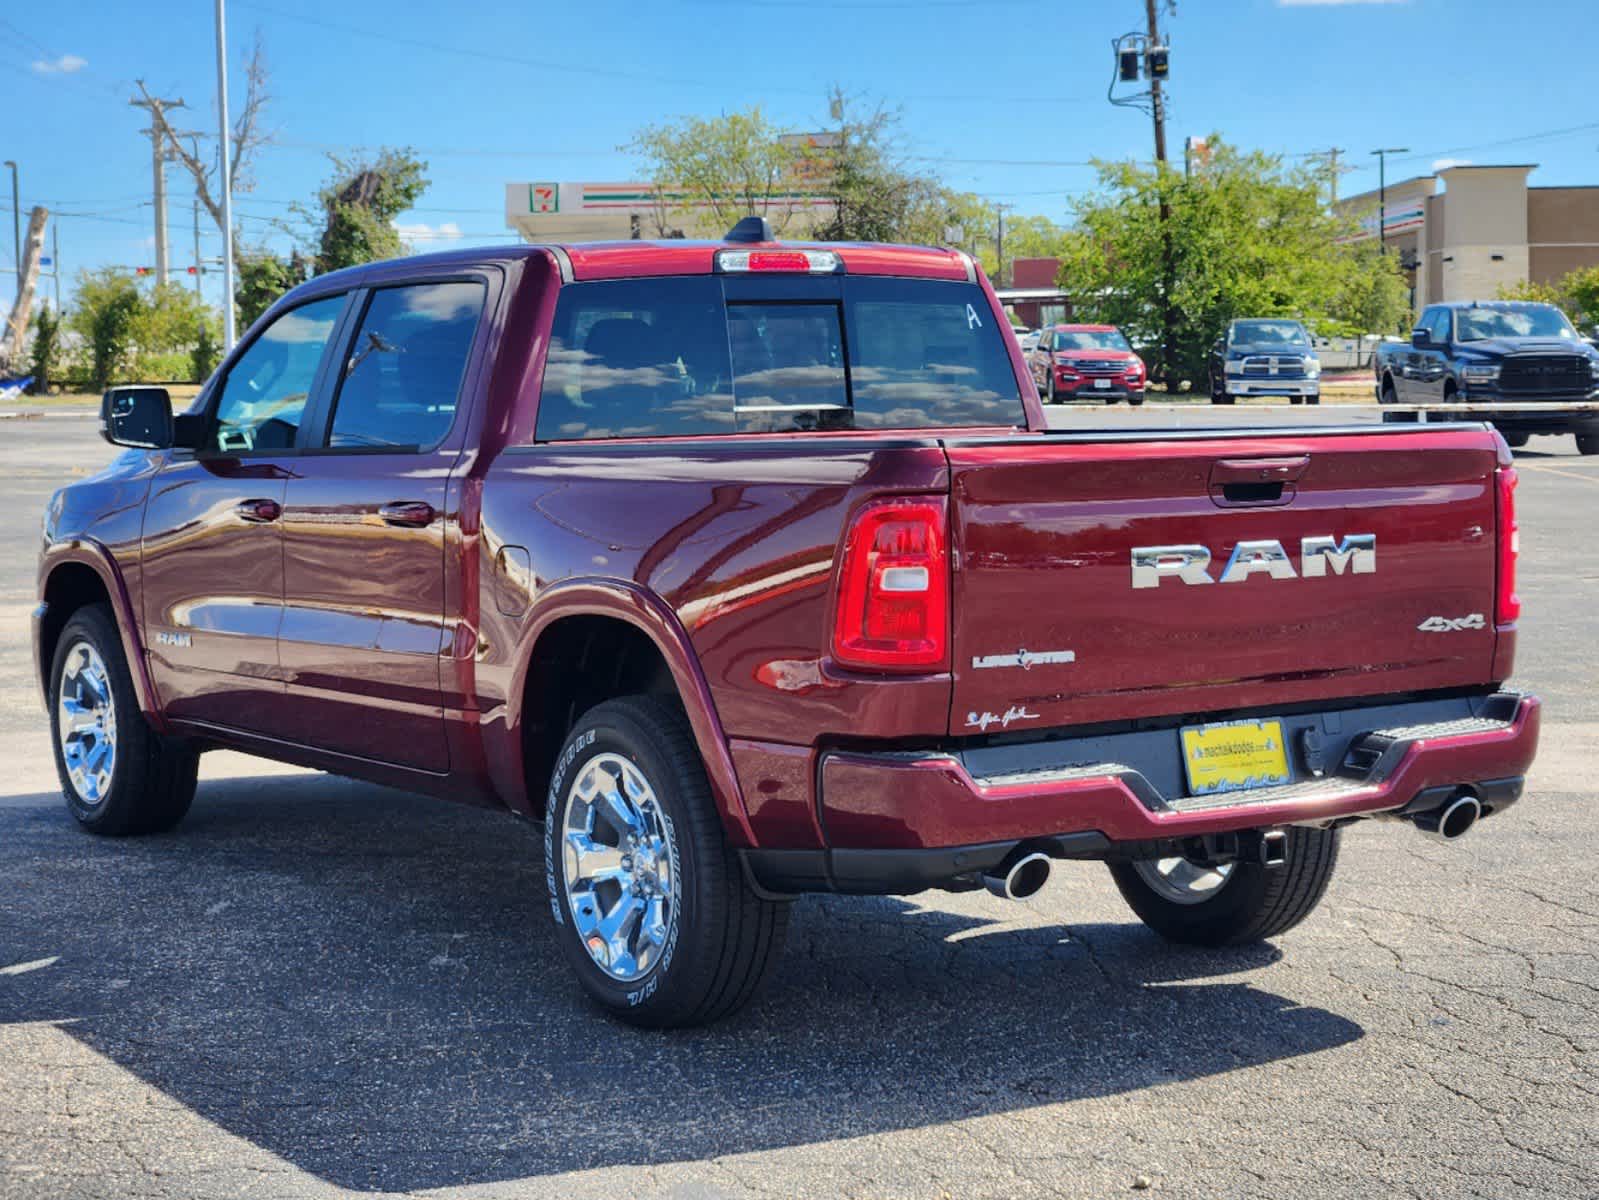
[(225, 155), (16, 222), (1382, 192)]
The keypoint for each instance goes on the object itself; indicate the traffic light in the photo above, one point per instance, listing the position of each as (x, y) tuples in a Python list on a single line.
[(1127, 64), (1156, 62), (192, 270), (141, 270)]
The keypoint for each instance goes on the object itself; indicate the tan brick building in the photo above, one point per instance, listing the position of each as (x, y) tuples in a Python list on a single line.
[(1468, 230)]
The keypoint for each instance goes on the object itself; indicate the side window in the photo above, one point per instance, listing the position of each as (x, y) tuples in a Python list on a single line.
[(401, 383), (264, 395), (1440, 327), (1429, 322)]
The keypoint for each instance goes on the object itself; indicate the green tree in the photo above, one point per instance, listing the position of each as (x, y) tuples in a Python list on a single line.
[(1249, 238), (708, 172), (106, 314), (46, 351), (207, 352), (358, 205), (262, 278), (876, 195)]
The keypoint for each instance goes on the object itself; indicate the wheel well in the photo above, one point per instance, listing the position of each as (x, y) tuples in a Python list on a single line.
[(579, 662), (71, 586), (1449, 386)]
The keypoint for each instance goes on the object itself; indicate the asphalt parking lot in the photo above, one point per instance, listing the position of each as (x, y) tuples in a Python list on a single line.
[(317, 988)]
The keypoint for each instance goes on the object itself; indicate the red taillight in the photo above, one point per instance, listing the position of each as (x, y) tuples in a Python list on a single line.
[(814, 262), (893, 591), (1507, 605)]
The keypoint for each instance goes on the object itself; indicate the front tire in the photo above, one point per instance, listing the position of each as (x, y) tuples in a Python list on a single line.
[(118, 776), (651, 907), (1246, 902), (1588, 443)]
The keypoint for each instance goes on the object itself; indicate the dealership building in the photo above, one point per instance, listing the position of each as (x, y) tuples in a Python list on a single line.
[(1468, 231)]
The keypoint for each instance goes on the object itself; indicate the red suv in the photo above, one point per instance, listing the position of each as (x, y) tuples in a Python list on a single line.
[(1093, 361)]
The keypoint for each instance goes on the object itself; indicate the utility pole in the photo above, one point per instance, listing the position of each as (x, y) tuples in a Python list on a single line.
[(224, 157), (158, 155), (1382, 192), (1330, 156), (197, 267), (16, 224), (55, 259), (1168, 281), (999, 246)]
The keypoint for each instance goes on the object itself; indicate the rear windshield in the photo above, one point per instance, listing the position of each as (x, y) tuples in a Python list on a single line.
[(675, 357)]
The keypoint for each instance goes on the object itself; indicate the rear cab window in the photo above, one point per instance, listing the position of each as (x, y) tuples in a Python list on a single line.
[(704, 355)]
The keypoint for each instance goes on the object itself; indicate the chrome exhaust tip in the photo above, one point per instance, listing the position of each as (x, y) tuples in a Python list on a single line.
[(1452, 821), (1021, 878)]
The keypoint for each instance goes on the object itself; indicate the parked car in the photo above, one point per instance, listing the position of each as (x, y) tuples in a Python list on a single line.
[(750, 570), (1073, 362), (1027, 339), (1488, 351), (1265, 357)]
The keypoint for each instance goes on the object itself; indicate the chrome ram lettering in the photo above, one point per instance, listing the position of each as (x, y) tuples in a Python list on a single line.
[(1353, 554)]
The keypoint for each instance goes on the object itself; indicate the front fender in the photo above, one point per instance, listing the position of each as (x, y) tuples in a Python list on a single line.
[(650, 614), (88, 552)]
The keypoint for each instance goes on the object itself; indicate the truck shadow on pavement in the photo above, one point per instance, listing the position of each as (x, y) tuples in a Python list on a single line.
[(366, 984)]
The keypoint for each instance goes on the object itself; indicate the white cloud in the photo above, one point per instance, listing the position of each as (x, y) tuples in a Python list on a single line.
[(419, 235), (65, 65), (1443, 164)]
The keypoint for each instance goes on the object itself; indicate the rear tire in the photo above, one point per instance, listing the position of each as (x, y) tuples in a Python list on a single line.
[(118, 776), (681, 937), (1588, 443), (1253, 903), (1514, 440)]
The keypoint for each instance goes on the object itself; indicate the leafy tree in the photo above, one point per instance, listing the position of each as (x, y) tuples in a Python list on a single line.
[(46, 350), (358, 205), (1577, 295), (207, 352), (106, 315), (262, 278), (1249, 238), (708, 172)]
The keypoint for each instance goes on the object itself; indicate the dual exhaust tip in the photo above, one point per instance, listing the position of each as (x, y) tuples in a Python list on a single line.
[(1022, 874), (1452, 820)]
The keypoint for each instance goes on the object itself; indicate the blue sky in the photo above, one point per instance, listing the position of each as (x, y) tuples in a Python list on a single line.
[(1003, 97)]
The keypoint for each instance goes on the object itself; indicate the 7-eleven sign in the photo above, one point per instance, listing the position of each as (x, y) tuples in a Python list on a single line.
[(544, 197)]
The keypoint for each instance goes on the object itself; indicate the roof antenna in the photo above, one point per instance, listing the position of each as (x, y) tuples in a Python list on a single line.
[(751, 229)]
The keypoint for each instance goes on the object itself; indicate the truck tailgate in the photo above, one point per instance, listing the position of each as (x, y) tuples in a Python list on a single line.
[(1053, 626)]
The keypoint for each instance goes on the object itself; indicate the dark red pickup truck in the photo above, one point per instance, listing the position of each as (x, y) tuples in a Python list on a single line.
[(752, 570)]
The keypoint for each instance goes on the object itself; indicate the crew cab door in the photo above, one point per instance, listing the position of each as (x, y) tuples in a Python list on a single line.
[(212, 547), (365, 518)]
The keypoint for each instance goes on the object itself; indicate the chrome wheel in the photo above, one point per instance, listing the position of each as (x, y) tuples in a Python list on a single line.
[(1181, 881), (619, 865), (86, 723)]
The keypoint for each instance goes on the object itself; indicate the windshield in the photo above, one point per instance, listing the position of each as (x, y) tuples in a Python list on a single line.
[(1090, 339), (1268, 333), (685, 356), (1475, 324)]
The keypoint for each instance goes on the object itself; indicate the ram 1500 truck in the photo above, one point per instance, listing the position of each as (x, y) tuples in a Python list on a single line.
[(1526, 356), (751, 570)]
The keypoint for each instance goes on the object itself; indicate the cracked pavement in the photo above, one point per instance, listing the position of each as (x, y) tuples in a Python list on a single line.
[(318, 988)]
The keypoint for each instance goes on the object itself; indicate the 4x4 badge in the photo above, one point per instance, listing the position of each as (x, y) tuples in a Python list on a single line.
[(1453, 624)]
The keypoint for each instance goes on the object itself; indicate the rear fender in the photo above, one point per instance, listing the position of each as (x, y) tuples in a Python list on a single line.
[(651, 615)]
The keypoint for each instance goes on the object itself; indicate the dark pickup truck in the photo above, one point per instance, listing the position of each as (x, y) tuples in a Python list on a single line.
[(752, 569), (1523, 355)]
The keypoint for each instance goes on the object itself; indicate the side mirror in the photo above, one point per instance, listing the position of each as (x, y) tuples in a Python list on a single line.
[(1420, 337), (137, 416)]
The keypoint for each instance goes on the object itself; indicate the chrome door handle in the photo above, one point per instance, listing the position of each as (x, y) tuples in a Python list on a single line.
[(258, 512), (413, 514)]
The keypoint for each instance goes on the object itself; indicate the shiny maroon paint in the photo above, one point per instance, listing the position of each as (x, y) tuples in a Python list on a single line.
[(405, 654)]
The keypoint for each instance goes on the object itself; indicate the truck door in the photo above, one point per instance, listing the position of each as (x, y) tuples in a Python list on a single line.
[(212, 549), (365, 516)]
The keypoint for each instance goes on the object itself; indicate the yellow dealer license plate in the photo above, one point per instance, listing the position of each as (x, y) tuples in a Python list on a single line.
[(1233, 755)]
